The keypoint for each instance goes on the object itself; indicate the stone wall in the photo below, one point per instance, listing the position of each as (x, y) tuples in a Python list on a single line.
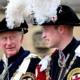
[(75, 5)]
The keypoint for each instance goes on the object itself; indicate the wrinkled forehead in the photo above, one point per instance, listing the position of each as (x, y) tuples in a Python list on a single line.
[(9, 33)]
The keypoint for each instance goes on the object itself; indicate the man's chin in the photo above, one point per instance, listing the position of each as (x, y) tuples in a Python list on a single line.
[(49, 46), (11, 53)]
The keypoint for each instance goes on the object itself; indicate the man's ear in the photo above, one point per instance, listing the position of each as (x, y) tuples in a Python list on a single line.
[(22, 36), (61, 29)]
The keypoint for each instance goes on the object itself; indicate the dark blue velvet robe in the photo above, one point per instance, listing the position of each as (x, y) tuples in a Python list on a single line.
[(54, 67), (16, 61)]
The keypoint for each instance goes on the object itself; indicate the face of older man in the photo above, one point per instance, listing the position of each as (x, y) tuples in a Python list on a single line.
[(10, 42)]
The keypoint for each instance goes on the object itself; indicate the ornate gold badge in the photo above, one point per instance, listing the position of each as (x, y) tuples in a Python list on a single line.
[(28, 76), (74, 74)]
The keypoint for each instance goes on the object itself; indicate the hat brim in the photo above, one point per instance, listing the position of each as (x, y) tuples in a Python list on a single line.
[(8, 30), (22, 28), (60, 23)]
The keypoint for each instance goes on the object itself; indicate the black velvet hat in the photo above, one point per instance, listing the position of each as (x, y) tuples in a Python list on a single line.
[(3, 27), (65, 16)]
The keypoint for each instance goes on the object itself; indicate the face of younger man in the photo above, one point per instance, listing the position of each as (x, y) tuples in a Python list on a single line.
[(52, 36)]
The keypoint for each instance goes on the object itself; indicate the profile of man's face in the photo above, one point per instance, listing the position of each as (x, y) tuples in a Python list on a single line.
[(51, 35), (10, 42)]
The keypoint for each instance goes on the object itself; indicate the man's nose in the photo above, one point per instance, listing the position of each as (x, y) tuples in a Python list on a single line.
[(43, 34), (9, 41)]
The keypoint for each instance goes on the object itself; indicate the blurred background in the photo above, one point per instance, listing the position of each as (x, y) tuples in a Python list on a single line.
[(33, 40)]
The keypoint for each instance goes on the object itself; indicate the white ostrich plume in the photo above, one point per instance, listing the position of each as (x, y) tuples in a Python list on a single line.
[(45, 9), (41, 10), (15, 12)]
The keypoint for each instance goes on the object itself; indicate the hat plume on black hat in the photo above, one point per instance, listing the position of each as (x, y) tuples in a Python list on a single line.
[(65, 16), (22, 28)]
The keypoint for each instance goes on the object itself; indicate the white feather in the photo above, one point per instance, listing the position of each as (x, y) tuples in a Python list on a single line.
[(15, 12), (45, 9), (41, 10)]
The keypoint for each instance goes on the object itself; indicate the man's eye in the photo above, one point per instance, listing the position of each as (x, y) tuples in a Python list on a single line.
[(13, 37), (4, 38)]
